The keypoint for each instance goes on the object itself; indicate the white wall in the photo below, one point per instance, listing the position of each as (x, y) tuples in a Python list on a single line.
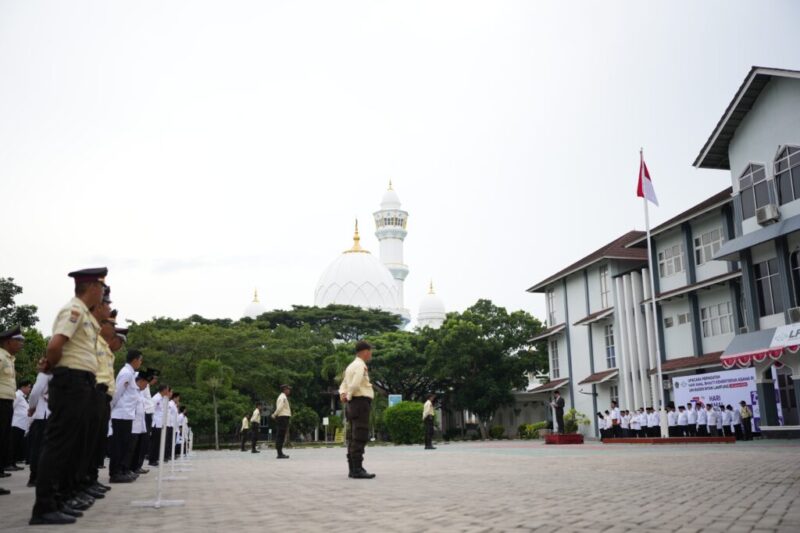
[(667, 240), (711, 268), (678, 338), (716, 296)]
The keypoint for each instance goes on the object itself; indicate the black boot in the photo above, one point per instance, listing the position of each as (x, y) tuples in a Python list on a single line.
[(359, 472)]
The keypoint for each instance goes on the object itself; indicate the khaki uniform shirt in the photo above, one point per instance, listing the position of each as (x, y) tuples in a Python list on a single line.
[(75, 322), (356, 380), (427, 410), (105, 366), (245, 424), (282, 407), (8, 376), (256, 418)]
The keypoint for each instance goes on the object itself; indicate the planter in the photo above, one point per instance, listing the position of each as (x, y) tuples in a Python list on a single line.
[(558, 438)]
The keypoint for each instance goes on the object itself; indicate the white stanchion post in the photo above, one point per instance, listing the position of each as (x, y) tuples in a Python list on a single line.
[(184, 466), (172, 476), (158, 502)]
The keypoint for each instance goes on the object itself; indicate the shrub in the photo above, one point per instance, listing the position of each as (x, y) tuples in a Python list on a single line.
[(404, 423), (573, 420), (305, 420), (497, 432), (531, 431)]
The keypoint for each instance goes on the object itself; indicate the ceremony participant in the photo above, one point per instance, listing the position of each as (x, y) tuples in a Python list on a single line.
[(428, 418), (135, 457), (672, 421), (601, 425), (609, 425), (683, 422), (179, 429), (162, 395), (281, 415), (736, 416), (727, 420), (720, 409), (636, 425), (625, 423), (616, 429), (711, 420), (123, 411), (702, 421), (558, 406), (11, 342), (19, 426), (691, 417), (356, 392), (255, 424), (72, 358), (653, 423), (38, 410), (104, 391), (747, 416), (149, 408), (172, 422), (245, 431)]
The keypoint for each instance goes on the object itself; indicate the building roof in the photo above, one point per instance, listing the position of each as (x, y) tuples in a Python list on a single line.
[(550, 385), (594, 317), (715, 151), (707, 205), (616, 249), (549, 332), (600, 377), (689, 363)]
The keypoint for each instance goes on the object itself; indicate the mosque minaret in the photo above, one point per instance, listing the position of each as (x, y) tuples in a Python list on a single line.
[(390, 229)]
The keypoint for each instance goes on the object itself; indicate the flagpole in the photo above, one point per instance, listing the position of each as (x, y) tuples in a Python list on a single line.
[(656, 329)]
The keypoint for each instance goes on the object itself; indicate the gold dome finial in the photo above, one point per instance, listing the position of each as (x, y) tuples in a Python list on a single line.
[(357, 243), (430, 289), (255, 296), (390, 184)]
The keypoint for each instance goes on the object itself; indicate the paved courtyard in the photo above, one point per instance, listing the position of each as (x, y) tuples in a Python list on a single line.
[(497, 486)]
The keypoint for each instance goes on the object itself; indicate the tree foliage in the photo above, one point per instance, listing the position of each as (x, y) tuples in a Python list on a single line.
[(12, 314), (404, 423)]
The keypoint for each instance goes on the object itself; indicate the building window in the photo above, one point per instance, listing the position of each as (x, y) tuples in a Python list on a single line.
[(717, 319), (604, 290), (787, 174), (668, 322), (753, 190), (613, 391), (554, 371), (611, 356), (706, 245), (768, 287), (551, 307), (794, 260), (684, 318), (670, 261)]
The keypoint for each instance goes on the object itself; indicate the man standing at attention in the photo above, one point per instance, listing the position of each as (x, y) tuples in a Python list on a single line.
[(356, 392), (10, 344), (558, 405), (245, 430), (255, 422), (281, 415), (428, 417)]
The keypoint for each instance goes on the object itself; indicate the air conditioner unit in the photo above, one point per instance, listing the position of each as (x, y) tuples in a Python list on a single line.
[(767, 214), (794, 314)]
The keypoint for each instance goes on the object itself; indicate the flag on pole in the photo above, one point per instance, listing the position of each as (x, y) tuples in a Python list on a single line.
[(645, 188)]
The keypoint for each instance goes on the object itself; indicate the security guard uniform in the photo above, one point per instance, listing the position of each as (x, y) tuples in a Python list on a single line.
[(358, 390)]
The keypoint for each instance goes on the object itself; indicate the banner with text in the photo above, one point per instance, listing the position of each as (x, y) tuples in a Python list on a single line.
[(728, 387)]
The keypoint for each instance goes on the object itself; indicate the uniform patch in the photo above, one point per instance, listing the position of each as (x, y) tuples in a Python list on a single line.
[(74, 315)]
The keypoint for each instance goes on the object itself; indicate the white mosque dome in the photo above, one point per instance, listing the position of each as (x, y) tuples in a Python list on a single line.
[(431, 310), (360, 279), (254, 308), (390, 199)]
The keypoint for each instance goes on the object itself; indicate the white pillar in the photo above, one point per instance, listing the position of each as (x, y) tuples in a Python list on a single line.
[(633, 352), (622, 329), (650, 321), (641, 337)]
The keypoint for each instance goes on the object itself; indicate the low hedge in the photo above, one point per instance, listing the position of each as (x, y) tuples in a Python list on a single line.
[(404, 423)]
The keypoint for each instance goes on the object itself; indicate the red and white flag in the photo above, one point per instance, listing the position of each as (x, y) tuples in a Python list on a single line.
[(645, 188)]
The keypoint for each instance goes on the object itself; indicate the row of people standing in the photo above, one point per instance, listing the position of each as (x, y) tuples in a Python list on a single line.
[(281, 416)]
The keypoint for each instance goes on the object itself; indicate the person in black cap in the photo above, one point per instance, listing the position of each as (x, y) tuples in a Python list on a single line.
[(281, 415), (72, 358), (356, 392), (11, 342), (149, 409)]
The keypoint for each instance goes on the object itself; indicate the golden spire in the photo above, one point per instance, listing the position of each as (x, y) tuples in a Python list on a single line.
[(255, 296), (430, 289), (390, 184), (357, 243)]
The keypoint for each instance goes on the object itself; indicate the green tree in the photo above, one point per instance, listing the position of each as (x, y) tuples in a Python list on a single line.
[(304, 420), (345, 322), (215, 378), (12, 314), (399, 365)]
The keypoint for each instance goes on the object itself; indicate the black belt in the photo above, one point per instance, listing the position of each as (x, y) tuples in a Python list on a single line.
[(362, 398), (102, 387), (71, 372)]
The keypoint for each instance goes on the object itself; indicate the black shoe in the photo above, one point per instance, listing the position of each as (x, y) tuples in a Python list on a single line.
[(96, 494), (5, 474), (142, 471), (69, 511), (77, 503), (3, 491), (153, 464), (14, 468), (255, 451), (104, 487), (55, 517), (31, 483), (282, 456), (120, 478), (361, 474), (98, 487), (88, 498), (430, 447)]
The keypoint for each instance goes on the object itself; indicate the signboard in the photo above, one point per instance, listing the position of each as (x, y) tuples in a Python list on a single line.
[(325, 421), (394, 399), (728, 387), (786, 336)]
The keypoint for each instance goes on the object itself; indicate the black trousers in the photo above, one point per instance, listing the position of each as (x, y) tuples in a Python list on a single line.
[(737, 429), (727, 431), (428, 431), (17, 451), (682, 431), (702, 430), (35, 437), (691, 430), (748, 429), (281, 427), (70, 393), (560, 420), (155, 444), (103, 405), (135, 452), (244, 434), (6, 414), (654, 431), (120, 444), (144, 450), (357, 414), (168, 444), (254, 429)]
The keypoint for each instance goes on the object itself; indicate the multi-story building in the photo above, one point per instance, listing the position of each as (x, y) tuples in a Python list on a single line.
[(758, 141)]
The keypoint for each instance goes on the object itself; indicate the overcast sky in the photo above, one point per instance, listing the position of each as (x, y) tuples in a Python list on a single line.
[(202, 149)]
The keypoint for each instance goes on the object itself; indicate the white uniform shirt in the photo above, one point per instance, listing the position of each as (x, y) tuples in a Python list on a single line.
[(702, 418), (609, 422), (172, 419), (636, 422), (737, 417), (123, 404), (625, 422), (719, 414), (149, 403), (683, 418), (181, 418), (158, 413), (692, 416), (727, 417), (653, 419), (139, 425), (20, 418), (672, 419), (38, 398), (615, 414), (711, 416)]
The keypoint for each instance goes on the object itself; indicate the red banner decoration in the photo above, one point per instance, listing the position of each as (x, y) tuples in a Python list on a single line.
[(744, 360)]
